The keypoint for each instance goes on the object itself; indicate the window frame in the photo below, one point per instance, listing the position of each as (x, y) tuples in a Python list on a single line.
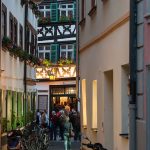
[(4, 11), (67, 50), (15, 34), (21, 36), (67, 9), (11, 27), (93, 8), (44, 51)]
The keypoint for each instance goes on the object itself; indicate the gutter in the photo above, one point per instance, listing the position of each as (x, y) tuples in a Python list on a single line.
[(133, 75)]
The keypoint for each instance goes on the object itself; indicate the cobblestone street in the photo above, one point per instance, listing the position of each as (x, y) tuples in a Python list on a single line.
[(60, 146)]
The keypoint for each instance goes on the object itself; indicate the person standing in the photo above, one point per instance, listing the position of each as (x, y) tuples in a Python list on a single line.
[(67, 129)]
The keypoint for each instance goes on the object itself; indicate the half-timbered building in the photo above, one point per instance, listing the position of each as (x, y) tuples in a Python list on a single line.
[(56, 81)]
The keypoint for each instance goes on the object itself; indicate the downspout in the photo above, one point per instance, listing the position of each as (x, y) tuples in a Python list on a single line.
[(0, 77), (77, 51), (133, 76), (25, 65)]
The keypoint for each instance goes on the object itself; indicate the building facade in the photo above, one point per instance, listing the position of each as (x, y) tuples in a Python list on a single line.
[(18, 58), (56, 78), (104, 71), (139, 64)]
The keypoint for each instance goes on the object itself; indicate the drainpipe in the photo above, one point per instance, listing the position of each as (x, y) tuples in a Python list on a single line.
[(0, 76), (133, 77), (77, 51), (25, 48)]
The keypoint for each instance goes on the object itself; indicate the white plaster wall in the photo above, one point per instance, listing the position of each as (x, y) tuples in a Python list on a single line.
[(13, 74), (107, 13), (108, 54)]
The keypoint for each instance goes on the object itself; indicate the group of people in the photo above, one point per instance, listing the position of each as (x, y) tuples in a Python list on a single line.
[(64, 123)]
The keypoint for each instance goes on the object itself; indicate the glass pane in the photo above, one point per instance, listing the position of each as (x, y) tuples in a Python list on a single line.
[(42, 13), (63, 46), (63, 13), (47, 55), (41, 47), (47, 7), (70, 55), (41, 55), (70, 6), (70, 13), (63, 54), (63, 6), (47, 14), (70, 46), (41, 7), (47, 47)]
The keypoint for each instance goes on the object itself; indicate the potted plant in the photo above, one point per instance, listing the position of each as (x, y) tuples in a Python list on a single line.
[(4, 124)]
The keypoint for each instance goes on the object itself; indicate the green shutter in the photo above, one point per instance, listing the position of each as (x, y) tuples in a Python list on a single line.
[(75, 53), (74, 11), (14, 109), (19, 109), (9, 109), (54, 49), (54, 12)]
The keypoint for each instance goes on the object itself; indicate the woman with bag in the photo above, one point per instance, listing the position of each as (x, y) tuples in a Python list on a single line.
[(68, 133)]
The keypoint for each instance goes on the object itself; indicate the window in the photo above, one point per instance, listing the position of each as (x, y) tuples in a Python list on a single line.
[(32, 46), (44, 52), (82, 9), (45, 11), (66, 10), (11, 31), (21, 36), (4, 21), (28, 39), (15, 31), (93, 3), (93, 8), (67, 51)]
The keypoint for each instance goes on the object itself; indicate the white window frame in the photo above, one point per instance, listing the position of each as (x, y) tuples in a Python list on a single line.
[(67, 9), (67, 50), (44, 50), (45, 10)]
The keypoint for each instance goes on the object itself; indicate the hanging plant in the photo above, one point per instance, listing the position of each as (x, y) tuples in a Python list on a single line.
[(7, 42)]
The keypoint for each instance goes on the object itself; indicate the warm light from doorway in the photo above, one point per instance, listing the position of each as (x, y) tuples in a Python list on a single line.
[(94, 106), (84, 103)]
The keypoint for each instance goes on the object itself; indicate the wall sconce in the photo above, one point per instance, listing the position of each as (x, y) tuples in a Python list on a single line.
[(94, 106), (84, 103)]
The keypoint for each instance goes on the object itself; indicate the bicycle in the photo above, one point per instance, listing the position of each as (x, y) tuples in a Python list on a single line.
[(94, 146)]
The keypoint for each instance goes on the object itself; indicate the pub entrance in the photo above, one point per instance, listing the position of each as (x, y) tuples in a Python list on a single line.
[(60, 95)]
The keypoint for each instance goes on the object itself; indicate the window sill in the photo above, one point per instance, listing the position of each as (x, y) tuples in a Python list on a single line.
[(82, 22), (94, 129), (84, 126), (92, 11), (124, 135), (147, 16)]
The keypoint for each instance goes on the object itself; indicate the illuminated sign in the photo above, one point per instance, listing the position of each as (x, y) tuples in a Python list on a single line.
[(57, 71)]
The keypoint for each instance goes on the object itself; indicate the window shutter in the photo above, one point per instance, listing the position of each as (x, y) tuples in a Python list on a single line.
[(54, 48), (75, 53), (74, 11), (54, 12)]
